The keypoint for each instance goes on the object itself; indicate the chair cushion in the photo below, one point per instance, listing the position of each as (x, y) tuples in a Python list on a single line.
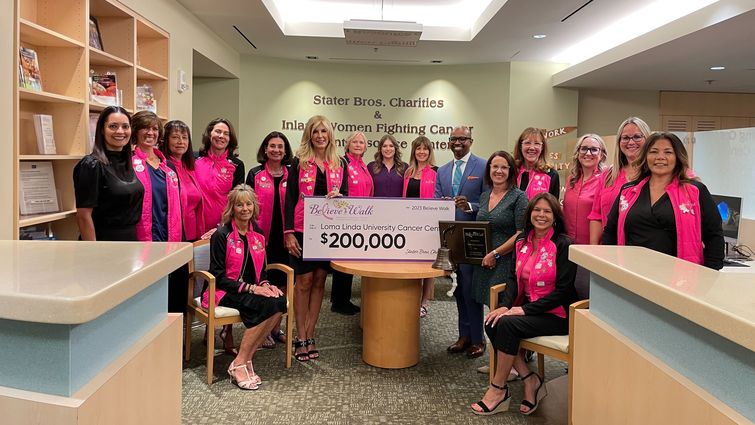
[(556, 342), (220, 311)]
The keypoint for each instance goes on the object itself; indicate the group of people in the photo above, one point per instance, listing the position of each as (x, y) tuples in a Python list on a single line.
[(142, 182)]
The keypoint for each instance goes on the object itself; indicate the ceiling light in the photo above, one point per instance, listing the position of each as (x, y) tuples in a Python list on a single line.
[(717, 68), (382, 33), (539, 36), (642, 21)]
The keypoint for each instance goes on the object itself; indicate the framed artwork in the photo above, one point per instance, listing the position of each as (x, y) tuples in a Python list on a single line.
[(95, 40)]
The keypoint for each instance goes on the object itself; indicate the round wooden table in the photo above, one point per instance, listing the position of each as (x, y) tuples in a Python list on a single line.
[(391, 296)]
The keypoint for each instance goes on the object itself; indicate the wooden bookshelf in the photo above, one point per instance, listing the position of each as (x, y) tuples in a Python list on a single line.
[(133, 48)]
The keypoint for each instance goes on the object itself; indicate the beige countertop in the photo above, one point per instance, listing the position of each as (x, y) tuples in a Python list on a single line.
[(71, 282), (719, 301)]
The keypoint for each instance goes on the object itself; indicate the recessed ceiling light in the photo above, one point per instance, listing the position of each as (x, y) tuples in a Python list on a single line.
[(539, 36), (436, 61), (717, 68)]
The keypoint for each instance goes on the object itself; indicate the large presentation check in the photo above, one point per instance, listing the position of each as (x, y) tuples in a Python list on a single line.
[(373, 228)]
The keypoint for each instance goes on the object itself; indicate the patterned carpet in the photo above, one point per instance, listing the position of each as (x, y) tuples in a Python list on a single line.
[(339, 388)]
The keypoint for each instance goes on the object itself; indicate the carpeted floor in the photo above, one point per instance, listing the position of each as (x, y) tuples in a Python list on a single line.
[(339, 388)]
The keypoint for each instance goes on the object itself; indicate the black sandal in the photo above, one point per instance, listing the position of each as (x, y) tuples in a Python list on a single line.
[(313, 354), (302, 356), (502, 405), (528, 404)]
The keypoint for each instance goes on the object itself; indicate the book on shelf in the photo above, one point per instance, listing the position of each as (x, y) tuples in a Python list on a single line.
[(145, 99), (30, 75), (95, 40), (37, 193), (104, 88), (93, 117), (45, 135)]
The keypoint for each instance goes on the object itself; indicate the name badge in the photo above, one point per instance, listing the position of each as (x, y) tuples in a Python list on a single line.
[(540, 283)]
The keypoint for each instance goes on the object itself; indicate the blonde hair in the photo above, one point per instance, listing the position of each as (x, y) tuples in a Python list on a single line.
[(241, 193), (619, 159), (353, 136), (413, 164), (306, 152), (575, 169), (541, 164)]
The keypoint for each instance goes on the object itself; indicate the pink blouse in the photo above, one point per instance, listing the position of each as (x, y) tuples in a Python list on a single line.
[(605, 196), (578, 204)]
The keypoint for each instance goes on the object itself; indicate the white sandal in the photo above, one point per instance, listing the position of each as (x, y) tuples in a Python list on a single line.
[(247, 384)]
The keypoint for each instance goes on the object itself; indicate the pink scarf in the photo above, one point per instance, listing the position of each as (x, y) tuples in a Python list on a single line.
[(542, 279), (685, 200), (234, 259), (307, 177), (538, 182)]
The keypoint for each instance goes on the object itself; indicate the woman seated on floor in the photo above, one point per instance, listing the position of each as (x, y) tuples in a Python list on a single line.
[(536, 304), (237, 260)]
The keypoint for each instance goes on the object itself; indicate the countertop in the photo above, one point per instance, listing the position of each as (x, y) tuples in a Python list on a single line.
[(719, 301), (72, 282)]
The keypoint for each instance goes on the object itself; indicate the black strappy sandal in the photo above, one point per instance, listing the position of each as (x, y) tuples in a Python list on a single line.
[(301, 356), (313, 354), (502, 405), (528, 404)]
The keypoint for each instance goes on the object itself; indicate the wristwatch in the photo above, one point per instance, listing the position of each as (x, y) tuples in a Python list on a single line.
[(495, 253)]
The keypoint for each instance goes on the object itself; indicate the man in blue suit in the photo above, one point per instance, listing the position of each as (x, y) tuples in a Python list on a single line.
[(462, 179)]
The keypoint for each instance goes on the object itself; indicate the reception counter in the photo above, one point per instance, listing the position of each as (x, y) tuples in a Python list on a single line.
[(664, 341), (86, 334)]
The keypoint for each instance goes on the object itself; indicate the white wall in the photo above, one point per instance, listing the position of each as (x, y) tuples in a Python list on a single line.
[(213, 98)]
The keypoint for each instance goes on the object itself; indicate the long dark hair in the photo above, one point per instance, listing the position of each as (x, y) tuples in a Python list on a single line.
[(558, 214), (178, 126), (681, 168), (233, 142), (398, 164), (99, 149), (262, 155)]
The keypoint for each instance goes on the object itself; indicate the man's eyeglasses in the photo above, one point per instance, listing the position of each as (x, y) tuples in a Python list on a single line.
[(459, 138), (636, 138), (592, 150)]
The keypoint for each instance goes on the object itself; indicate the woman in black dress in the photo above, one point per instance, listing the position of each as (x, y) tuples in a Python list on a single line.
[(237, 260), (108, 194)]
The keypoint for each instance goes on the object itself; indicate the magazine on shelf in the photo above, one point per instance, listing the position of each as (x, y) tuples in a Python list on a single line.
[(145, 99), (104, 89), (36, 187), (45, 135), (95, 40), (32, 78)]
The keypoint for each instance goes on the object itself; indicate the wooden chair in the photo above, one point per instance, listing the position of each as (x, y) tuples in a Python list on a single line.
[(219, 316), (556, 346)]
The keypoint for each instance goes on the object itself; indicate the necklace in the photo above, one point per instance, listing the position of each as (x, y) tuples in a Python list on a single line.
[(276, 173)]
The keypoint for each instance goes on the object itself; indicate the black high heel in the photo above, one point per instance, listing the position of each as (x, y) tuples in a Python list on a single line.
[(302, 356), (528, 404), (502, 405), (313, 354)]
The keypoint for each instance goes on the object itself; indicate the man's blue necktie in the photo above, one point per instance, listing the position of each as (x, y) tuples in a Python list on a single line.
[(457, 177)]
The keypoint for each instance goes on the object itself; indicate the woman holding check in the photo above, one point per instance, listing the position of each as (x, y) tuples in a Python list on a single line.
[(317, 170)]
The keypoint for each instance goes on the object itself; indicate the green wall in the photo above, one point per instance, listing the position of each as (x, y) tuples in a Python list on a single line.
[(213, 98)]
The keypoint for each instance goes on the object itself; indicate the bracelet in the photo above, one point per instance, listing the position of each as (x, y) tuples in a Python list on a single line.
[(495, 253)]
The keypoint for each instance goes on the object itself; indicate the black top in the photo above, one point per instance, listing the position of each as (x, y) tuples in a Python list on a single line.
[(564, 293), (292, 188), (218, 243), (112, 191), (554, 188), (412, 188), (654, 226)]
